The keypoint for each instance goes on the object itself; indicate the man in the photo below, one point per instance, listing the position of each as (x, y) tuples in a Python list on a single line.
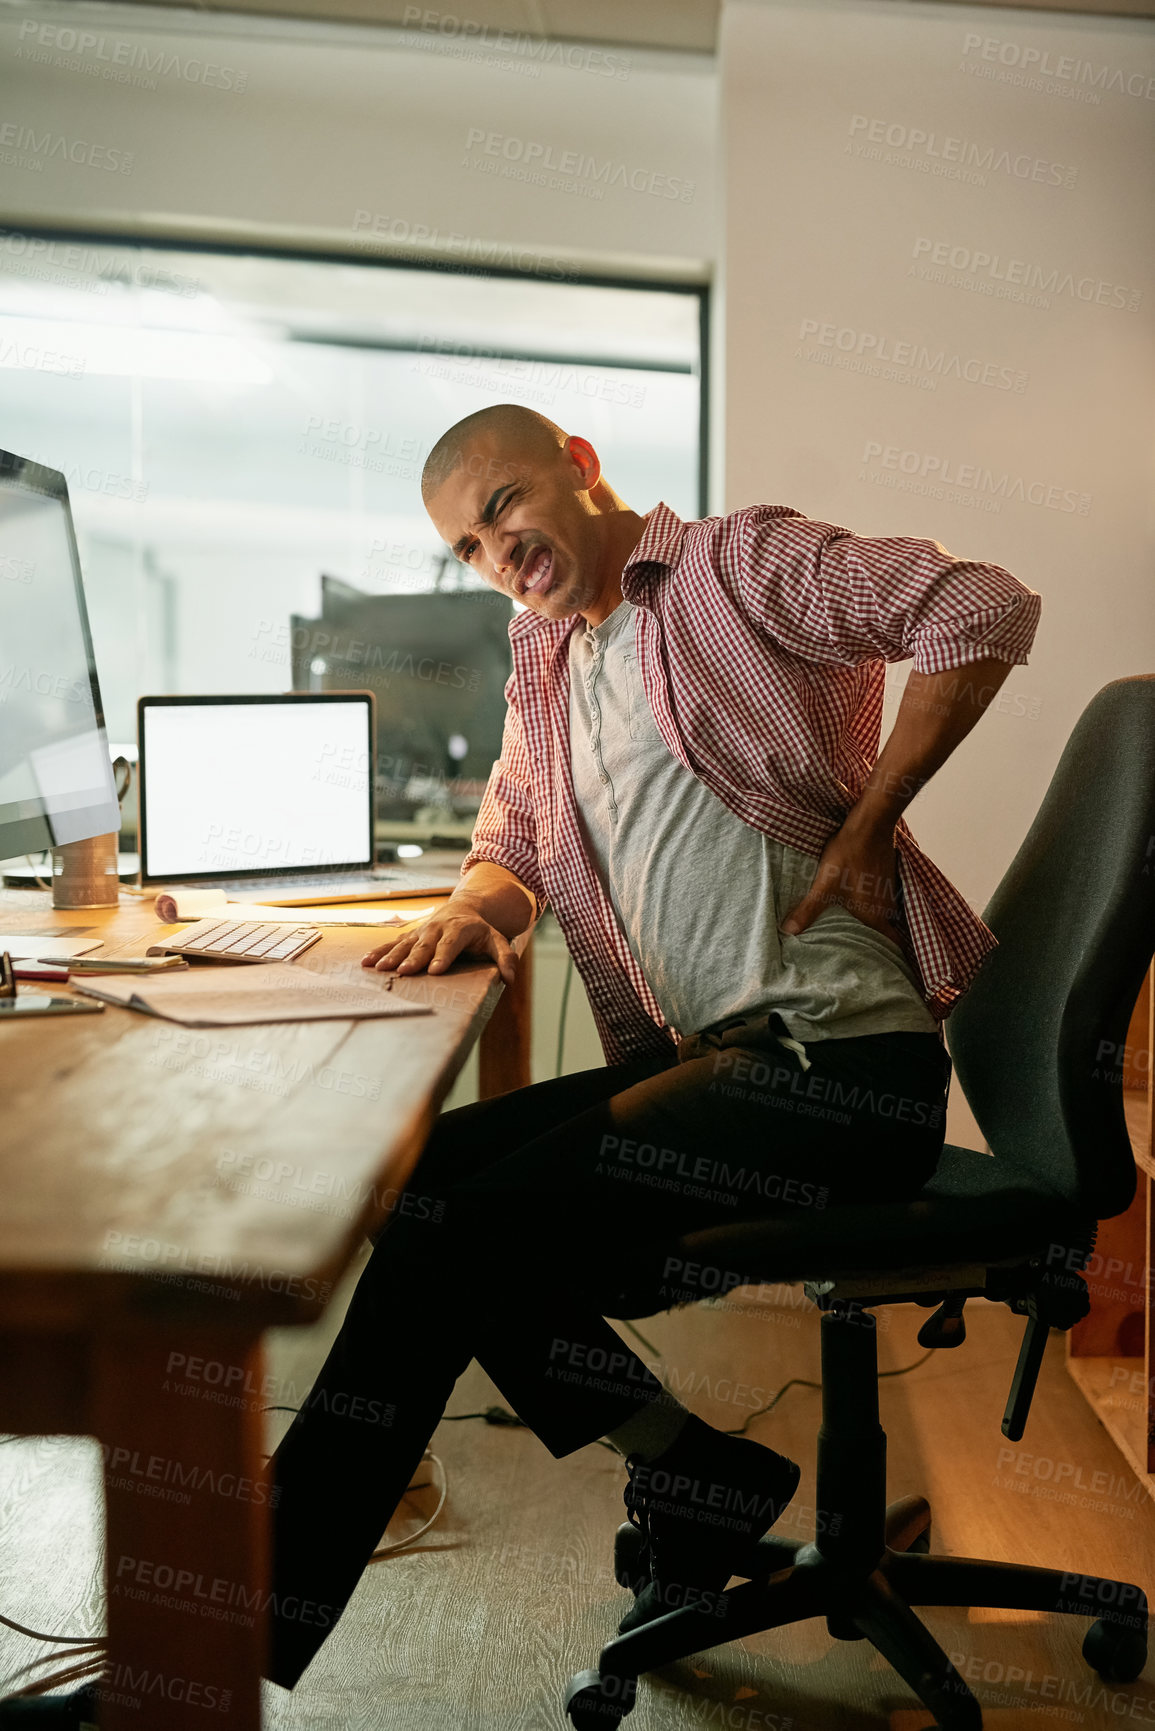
[(690, 776)]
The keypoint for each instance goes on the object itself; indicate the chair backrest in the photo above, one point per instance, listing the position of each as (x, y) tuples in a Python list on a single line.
[(1038, 1040)]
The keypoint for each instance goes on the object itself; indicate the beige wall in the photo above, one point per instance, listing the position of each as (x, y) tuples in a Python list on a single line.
[(826, 247), (296, 130)]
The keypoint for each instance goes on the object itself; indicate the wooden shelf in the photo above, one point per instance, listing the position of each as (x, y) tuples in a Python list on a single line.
[(1115, 1390), (1111, 1353), (1137, 1111)]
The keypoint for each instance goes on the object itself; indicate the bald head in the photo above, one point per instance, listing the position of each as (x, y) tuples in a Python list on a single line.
[(526, 507), (507, 429)]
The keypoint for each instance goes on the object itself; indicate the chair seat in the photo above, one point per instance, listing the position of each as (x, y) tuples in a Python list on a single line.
[(975, 1210)]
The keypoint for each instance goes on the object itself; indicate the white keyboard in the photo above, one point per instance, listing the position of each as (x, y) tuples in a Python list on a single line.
[(220, 940)]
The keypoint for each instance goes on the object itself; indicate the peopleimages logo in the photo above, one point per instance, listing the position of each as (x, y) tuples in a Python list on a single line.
[(515, 44), (1040, 63), (487, 367), (24, 147), (462, 250), (93, 480), (945, 472), (116, 60), (539, 164), (69, 263), (935, 152), (1015, 278), (890, 355), (32, 356)]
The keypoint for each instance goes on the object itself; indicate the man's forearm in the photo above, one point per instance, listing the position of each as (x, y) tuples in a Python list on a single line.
[(501, 899), (937, 712), (857, 867)]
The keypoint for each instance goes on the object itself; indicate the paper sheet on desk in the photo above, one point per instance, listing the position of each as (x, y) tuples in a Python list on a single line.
[(33, 944), (172, 905), (227, 996)]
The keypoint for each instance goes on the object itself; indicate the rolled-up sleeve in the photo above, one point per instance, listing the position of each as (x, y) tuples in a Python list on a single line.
[(506, 829), (832, 596)]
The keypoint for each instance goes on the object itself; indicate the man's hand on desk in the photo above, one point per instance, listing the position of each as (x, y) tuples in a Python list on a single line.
[(452, 931)]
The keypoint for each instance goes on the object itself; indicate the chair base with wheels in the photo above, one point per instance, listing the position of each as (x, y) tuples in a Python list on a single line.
[(866, 1567)]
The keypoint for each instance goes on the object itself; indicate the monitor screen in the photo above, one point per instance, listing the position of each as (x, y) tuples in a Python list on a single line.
[(264, 785), (437, 664), (56, 782)]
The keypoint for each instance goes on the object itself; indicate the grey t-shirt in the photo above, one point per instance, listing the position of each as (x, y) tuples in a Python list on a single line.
[(698, 893)]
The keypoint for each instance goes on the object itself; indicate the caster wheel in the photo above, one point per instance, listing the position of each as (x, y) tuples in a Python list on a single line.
[(1118, 1655), (593, 1701), (627, 1557)]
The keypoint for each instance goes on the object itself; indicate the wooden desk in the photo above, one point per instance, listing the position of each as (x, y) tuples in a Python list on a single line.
[(169, 1194)]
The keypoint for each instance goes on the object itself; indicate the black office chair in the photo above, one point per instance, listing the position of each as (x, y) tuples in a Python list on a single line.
[(1075, 919)]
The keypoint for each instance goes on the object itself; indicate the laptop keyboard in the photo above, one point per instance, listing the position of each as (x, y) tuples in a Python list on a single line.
[(238, 941)]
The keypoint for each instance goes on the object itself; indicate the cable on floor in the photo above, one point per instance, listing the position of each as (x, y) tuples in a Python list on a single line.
[(403, 1544), (499, 1415), (384, 1551)]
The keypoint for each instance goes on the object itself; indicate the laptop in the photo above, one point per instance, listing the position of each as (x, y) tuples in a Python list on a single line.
[(271, 797)]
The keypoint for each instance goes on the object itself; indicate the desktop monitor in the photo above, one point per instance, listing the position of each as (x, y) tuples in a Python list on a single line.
[(437, 664), (56, 783)]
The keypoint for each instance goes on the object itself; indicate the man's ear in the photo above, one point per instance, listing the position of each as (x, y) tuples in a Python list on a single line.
[(585, 459)]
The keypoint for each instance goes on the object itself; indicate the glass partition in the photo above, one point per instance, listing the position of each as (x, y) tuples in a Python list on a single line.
[(235, 427)]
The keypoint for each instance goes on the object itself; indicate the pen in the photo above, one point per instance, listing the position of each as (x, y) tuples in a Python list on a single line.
[(115, 964)]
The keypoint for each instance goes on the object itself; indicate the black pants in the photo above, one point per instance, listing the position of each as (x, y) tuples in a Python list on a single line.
[(532, 1216)]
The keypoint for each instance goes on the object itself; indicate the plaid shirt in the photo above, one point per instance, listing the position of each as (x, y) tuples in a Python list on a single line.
[(761, 639)]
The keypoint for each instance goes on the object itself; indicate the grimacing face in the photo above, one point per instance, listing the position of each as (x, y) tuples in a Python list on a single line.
[(525, 522)]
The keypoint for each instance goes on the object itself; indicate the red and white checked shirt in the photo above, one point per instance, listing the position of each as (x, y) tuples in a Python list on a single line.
[(761, 638)]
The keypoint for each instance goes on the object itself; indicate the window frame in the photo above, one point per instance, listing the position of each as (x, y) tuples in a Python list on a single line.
[(336, 256)]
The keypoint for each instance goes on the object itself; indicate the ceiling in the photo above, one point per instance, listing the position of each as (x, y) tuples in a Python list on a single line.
[(680, 24)]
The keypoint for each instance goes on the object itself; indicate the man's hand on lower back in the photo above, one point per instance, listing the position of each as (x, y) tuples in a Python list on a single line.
[(856, 871)]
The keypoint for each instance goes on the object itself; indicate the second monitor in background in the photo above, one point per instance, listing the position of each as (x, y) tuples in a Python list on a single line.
[(437, 665)]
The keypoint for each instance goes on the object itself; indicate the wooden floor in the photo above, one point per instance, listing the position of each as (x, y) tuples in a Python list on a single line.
[(511, 1592)]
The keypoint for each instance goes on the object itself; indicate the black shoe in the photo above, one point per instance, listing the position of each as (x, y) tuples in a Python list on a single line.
[(75, 1712), (700, 1508)]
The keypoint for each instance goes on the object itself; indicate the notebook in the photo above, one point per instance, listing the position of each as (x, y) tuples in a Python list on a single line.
[(263, 992)]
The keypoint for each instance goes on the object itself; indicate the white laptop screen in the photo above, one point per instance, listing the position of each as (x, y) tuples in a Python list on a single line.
[(255, 787)]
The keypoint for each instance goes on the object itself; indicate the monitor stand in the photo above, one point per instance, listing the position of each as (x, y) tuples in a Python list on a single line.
[(19, 875)]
